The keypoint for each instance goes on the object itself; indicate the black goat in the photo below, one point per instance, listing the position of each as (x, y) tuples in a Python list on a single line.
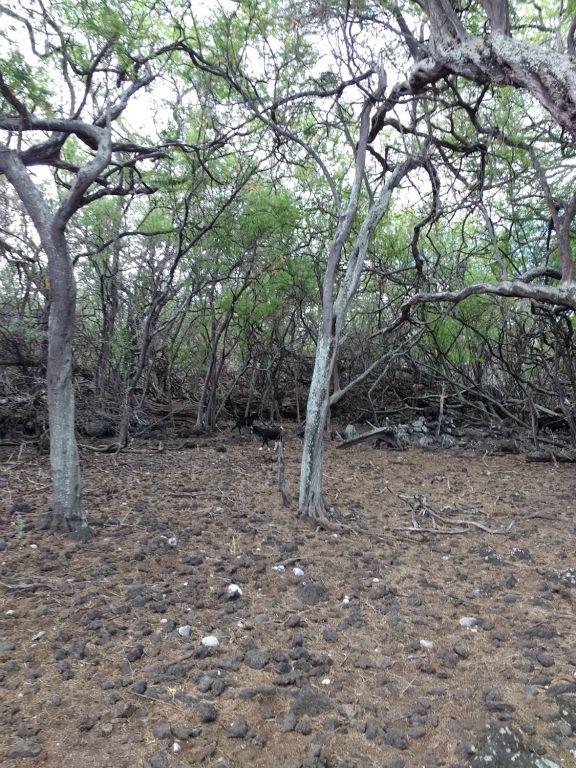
[(267, 434), (244, 421), (554, 423)]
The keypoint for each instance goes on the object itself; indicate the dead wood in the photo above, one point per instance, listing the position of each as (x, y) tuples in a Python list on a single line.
[(384, 434), (562, 457)]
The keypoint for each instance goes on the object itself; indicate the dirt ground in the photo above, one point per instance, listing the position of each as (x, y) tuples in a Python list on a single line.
[(444, 613)]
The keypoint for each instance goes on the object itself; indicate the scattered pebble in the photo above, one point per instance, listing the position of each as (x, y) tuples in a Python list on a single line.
[(210, 641)]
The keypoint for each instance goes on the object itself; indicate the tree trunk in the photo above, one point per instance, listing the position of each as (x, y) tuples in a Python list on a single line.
[(66, 513), (311, 502), (334, 310)]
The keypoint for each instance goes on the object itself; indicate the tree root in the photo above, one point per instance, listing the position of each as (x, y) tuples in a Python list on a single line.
[(76, 529)]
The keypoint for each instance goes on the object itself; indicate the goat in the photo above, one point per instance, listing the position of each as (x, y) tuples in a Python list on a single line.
[(268, 433), (554, 423), (244, 421)]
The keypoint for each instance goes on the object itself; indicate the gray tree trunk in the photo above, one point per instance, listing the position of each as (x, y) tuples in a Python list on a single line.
[(312, 505), (67, 513)]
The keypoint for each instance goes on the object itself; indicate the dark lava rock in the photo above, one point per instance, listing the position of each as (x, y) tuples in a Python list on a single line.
[(156, 760), (329, 635), (395, 738), (545, 659), (371, 730), (238, 729), (449, 659), (312, 592), (503, 747), (207, 711), (256, 659), (288, 722), (135, 653), (303, 727), (494, 703), (311, 701), (86, 723), (6, 646), (489, 554), (23, 748), (162, 731)]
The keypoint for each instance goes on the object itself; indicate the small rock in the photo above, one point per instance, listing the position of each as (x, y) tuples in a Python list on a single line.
[(371, 730), (238, 729), (312, 593), (162, 731), (184, 631), (449, 659), (207, 711), (234, 591), (210, 641), (468, 622), (395, 738), (288, 722), (298, 572), (86, 723), (311, 701), (6, 646), (303, 727), (23, 748), (545, 659), (135, 653)]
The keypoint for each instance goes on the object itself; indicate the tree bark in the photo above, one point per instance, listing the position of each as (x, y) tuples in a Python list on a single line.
[(67, 513)]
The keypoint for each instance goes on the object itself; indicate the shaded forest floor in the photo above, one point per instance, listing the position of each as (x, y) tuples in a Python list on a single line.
[(393, 648)]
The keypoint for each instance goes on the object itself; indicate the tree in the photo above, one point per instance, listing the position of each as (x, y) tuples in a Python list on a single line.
[(70, 131), (490, 53)]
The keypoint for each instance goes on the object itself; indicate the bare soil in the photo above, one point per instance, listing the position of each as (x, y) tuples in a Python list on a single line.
[(405, 639)]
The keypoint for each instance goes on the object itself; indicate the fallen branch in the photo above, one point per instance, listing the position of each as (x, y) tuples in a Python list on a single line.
[(419, 506), (31, 586)]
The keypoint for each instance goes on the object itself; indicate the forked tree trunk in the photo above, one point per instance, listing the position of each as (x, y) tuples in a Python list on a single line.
[(66, 513), (312, 505)]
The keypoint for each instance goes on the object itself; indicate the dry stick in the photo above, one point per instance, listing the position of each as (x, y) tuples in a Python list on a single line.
[(32, 585), (281, 474), (419, 504), (441, 410)]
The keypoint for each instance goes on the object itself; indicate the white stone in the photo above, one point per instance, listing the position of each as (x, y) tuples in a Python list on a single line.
[(210, 641), (278, 568), (234, 590), (426, 644), (468, 622), (297, 571)]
